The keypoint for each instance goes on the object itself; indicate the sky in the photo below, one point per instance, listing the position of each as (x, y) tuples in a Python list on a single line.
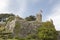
[(24, 8)]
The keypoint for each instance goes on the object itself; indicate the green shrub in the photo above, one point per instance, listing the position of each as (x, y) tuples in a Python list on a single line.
[(47, 32), (17, 28)]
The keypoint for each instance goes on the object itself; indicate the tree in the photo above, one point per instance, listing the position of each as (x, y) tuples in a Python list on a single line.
[(5, 15), (47, 32), (30, 18)]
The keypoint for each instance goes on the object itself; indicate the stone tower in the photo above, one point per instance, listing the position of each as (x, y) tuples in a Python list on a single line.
[(39, 16)]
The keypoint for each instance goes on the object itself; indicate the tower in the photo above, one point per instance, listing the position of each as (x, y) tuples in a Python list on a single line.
[(39, 16)]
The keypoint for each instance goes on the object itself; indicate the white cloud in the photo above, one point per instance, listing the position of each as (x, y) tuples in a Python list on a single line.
[(3, 5), (23, 7), (55, 15), (7, 6)]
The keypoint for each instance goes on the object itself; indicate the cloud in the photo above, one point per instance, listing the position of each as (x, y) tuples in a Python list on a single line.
[(23, 7), (18, 7), (55, 15), (3, 5)]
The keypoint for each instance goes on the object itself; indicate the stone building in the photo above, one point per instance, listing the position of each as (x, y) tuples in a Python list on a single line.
[(39, 16)]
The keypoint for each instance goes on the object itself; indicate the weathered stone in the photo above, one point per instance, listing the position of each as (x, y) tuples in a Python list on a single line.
[(25, 28)]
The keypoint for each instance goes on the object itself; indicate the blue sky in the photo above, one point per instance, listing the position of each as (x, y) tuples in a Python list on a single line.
[(24, 8)]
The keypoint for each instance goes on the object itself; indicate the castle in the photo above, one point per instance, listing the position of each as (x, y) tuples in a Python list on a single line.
[(39, 16), (22, 28)]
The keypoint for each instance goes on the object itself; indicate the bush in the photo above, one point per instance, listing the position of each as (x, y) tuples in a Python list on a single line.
[(17, 28), (47, 32), (30, 18)]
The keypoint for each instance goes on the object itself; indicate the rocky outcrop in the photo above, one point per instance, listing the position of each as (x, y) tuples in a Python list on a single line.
[(26, 28), (23, 27), (10, 26)]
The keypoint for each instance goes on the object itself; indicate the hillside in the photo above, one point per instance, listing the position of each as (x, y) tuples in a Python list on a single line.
[(6, 15), (17, 28)]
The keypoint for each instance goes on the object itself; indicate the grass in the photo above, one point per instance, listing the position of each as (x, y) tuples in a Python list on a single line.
[(8, 39)]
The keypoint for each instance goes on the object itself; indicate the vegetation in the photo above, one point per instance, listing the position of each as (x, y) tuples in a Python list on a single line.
[(5, 15), (30, 18), (1, 28), (47, 32), (10, 18), (17, 28)]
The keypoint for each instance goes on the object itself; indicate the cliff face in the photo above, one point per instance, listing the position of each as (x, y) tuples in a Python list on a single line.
[(25, 28), (10, 26), (22, 28)]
